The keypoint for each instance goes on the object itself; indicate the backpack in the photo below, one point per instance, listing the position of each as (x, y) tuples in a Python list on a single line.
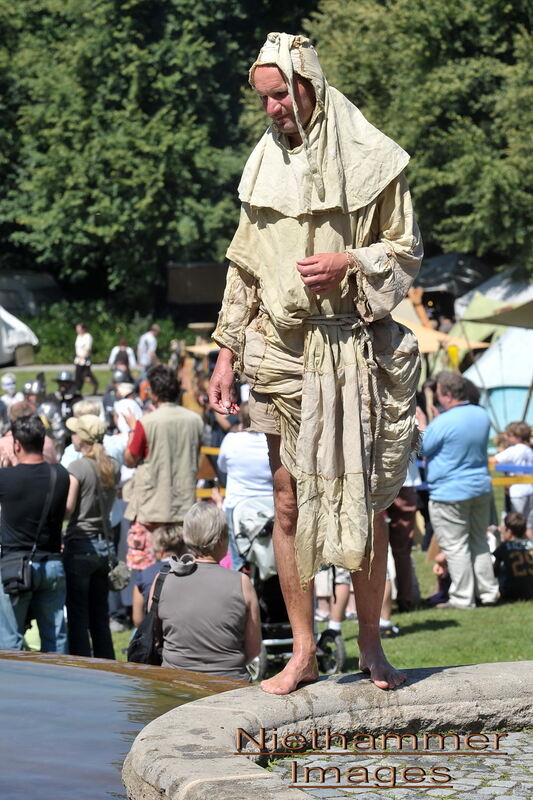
[(146, 645)]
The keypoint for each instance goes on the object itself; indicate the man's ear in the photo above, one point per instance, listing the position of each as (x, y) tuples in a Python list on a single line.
[(17, 447)]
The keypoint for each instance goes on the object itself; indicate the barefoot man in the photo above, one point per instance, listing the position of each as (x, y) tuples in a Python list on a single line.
[(327, 246)]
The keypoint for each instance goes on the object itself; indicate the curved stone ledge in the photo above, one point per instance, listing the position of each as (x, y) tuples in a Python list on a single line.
[(190, 752)]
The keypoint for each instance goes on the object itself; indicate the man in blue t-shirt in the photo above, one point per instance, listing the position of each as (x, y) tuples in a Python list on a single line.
[(455, 447)]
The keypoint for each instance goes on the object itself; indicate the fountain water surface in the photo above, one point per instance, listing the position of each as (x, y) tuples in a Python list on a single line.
[(66, 723)]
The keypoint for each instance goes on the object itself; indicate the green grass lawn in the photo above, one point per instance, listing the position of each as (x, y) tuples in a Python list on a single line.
[(103, 376), (449, 637)]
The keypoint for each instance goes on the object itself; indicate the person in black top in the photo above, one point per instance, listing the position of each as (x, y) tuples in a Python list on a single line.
[(514, 559), (23, 493)]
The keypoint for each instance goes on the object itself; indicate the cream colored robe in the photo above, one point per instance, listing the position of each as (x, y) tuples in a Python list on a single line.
[(340, 372)]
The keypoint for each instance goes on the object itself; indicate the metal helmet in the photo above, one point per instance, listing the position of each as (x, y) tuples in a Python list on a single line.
[(36, 387), (119, 376), (65, 376)]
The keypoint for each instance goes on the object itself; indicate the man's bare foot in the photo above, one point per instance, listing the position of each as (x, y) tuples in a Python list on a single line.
[(296, 671), (372, 662)]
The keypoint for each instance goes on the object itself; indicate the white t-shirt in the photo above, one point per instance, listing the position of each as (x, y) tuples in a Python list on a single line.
[(83, 347), (413, 479), (146, 348), (244, 457), (130, 406), (520, 454)]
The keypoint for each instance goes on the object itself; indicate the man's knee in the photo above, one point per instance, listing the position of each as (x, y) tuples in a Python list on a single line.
[(286, 508)]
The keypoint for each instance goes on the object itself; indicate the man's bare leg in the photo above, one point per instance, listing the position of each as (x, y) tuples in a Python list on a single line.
[(369, 591), (302, 665)]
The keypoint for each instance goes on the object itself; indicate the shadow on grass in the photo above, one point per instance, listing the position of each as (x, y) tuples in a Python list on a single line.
[(429, 625)]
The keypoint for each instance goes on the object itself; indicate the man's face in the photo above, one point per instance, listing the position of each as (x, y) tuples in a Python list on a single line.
[(443, 399), (271, 87)]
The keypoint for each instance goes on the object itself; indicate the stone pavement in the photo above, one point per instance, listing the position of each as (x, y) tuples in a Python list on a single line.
[(508, 773)]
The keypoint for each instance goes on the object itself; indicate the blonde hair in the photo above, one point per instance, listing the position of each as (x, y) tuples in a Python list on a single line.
[(167, 539), (203, 526), (83, 407), (104, 465)]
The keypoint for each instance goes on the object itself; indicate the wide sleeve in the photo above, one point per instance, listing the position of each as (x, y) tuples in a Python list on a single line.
[(381, 274), (239, 306)]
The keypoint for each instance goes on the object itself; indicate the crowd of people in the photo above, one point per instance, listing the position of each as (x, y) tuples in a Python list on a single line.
[(98, 476), (119, 475)]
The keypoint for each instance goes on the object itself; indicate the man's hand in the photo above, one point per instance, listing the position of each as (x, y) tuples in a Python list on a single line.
[(221, 391), (323, 271)]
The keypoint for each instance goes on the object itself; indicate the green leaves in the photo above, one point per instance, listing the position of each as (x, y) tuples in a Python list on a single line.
[(120, 164), (450, 81)]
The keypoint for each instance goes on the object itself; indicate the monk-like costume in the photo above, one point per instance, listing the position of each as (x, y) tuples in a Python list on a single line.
[(332, 374)]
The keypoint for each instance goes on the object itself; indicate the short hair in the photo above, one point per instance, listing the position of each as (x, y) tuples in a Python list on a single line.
[(204, 525), (516, 523), (21, 409), (472, 392), (167, 539), (29, 431), (453, 384), (83, 407), (81, 325), (163, 383), (519, 429)]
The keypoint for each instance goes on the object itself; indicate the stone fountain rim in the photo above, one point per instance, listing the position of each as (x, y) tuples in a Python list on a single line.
[(190, 753)]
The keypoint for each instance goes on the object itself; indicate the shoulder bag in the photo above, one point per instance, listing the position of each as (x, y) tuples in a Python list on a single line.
[(147, 642), (118, 576), (16, 568)]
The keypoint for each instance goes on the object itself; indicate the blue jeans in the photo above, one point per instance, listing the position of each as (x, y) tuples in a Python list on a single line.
[(10, 639), (236, 559), (86, 567), (45, 603)]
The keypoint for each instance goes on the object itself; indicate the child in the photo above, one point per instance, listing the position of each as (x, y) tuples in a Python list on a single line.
[(520, 453), (514, 560)]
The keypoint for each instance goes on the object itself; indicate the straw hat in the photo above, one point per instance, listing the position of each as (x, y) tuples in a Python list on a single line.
[(88, 427)]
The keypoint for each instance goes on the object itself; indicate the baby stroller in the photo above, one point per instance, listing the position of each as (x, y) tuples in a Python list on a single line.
[(253, 520)]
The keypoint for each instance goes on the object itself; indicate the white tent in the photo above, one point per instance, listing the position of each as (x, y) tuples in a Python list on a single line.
[(16, 339), (504, 373), (502, 288)]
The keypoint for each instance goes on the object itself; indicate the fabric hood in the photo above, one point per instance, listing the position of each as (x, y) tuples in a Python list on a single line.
[(343, 162)]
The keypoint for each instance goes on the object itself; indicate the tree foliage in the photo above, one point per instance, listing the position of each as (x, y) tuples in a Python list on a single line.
[(120, 139), (122, 163), (122, 131), (450, 80)]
